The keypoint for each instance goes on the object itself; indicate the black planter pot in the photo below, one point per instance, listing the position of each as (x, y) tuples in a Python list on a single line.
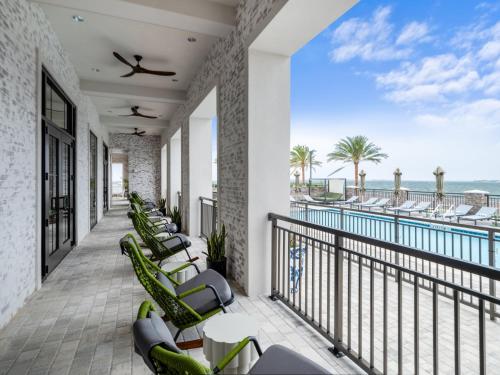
[(163, 211), (219, 266)]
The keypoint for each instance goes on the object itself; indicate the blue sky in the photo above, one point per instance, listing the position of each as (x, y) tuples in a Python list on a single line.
[(420, 78)]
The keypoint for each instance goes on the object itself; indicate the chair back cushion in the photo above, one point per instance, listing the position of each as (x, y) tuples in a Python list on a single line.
[(150, 332)]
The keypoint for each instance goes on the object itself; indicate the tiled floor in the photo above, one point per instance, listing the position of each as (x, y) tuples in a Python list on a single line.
[(80, 321)]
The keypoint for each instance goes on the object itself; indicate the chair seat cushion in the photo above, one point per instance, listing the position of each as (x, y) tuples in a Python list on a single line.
[(281, 360), (175, 242), (205, 300)]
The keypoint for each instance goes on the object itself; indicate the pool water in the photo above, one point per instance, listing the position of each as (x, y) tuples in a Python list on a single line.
[(446, 239)]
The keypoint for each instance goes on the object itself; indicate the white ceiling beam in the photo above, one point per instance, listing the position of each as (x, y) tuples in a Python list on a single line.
[(118, 90), (197, 16), (132, 122)]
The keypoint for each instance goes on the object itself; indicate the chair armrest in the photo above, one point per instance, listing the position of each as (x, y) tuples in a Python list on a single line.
[(144, 309), (185, 265), (235, 351), (192, 291)]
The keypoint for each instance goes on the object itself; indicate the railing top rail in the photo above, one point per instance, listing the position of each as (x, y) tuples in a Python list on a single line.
[(475, 268), (409, 218), (208, 199)]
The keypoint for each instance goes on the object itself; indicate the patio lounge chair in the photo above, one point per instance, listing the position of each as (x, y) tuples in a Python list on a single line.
[(308, 198), (452, 212), (153, 341), (368, 202), (292, 199), (380, 204), (185, 305), (421, 207), (485, 213), (162, 243), (406, 205), (348, 202)]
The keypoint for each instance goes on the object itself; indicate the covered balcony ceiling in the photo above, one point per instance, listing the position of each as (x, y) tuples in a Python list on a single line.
[(158, 31)]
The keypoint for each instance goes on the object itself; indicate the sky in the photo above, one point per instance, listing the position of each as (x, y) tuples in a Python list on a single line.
[(420, 79)]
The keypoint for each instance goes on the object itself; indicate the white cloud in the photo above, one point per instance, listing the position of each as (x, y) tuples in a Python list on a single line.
[(432, 120), (490, 50), (430, 79), (367, 39), (414, 32)]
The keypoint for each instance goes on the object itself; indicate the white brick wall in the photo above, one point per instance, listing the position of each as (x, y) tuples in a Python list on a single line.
[(23, 29), (143, 162), (226, 67)]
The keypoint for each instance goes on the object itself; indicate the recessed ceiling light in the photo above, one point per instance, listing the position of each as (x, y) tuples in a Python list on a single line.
[(191, 39), (78, 18)]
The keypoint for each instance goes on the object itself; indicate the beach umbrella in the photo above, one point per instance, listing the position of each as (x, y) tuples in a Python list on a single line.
[(397, 180), (439, 174), (362, 181), (297, 181), (397, 183)]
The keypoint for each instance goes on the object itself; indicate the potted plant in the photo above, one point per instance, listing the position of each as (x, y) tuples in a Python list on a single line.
[(176, 217), (216, 251), (162, 206), (297, 259)]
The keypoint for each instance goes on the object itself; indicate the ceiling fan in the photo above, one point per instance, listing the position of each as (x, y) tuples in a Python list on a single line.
[(139, 69), (136, 113), (137, 132)]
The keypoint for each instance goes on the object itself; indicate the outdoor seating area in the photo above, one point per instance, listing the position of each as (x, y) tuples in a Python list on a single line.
[(82, 321)]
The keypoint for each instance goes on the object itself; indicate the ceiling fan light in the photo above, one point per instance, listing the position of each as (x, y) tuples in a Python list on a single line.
[(78, 18)]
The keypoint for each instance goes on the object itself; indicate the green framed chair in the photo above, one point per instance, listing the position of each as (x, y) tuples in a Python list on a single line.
[(162, 244), (153, 341), (185, 305)]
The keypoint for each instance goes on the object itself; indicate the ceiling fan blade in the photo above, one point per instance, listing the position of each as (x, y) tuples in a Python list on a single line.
[(155, 72), (141, 132), (145, 116), (128, 74), (126, 115), (122, 59)]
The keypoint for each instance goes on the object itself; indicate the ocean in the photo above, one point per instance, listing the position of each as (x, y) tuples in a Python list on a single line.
[(493, 186)]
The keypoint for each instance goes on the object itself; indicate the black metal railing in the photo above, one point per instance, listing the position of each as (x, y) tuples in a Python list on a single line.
[(208, 216), (390, 308)]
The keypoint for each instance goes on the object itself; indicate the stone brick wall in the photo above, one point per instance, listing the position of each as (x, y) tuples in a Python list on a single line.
[(226, 68), (144, 162), (24, 28)]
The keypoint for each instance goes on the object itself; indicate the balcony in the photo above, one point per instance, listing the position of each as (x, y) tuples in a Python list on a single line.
[(80, 321)]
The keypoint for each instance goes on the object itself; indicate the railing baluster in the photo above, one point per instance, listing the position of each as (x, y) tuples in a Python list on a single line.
[(372, 316), (385, 320), (400, 322), (456, 311), (416, 326), (435, 331), (360, 307), (482, 339)]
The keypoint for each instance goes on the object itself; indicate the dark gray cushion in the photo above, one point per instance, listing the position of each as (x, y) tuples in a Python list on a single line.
[(175, 242), (166, 282), (280, 360), (205, 300), (150, 332)]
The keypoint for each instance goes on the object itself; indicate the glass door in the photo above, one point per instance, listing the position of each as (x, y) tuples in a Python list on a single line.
[(93, 180), (58, 168)]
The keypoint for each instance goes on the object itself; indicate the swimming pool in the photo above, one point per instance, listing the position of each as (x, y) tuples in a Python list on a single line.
[(446, 239)]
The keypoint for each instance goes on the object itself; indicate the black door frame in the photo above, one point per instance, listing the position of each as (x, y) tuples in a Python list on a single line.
[(64, 136), (105, 176), (93, 214)]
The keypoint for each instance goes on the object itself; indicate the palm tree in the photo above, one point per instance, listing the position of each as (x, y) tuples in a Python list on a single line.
[(356, 149), (300, 158)]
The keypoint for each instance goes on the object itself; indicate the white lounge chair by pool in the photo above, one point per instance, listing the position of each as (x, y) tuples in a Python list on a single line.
[(405, 206), (485, 213), (308, 198), (421, 207), (380, 204), (348, 202), (368, 202), (457, 212), (292, 199)]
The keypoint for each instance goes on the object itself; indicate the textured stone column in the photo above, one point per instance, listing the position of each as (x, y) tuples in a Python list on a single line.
[(476, 198)]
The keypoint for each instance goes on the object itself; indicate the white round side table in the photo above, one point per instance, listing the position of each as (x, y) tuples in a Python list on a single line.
[(181, 276), (221, 333)]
